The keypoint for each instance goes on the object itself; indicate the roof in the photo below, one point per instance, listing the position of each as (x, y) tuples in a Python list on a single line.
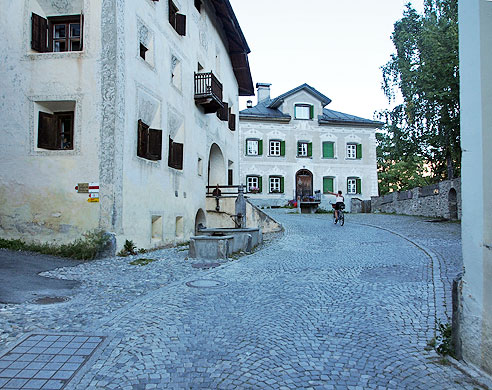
[(277, 102), (262, 111), (331, 116), (268, 110), (238, 47)]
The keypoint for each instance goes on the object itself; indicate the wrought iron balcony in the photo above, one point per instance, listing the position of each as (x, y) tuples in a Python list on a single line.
[(208, 92)]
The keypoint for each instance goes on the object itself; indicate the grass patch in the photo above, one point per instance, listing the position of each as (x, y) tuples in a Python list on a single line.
[(142, 262), (321, 210), (85, 248)]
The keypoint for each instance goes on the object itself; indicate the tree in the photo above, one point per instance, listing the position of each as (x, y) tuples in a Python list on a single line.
[(425, 70)]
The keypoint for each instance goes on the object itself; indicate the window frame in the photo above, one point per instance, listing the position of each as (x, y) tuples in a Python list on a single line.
[(308, 151), (351, 151), (332, 149), (275, 184), (310, 108), (252, 140), (251, 178), (355, 181), (54, 137), (332, 178), (275, 150), (67, 21)]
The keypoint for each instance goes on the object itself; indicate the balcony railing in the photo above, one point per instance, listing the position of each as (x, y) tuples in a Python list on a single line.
[(208, 92)]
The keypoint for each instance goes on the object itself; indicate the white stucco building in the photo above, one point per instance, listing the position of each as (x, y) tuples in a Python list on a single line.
[(475, 24), (293, 146), (133, 102)]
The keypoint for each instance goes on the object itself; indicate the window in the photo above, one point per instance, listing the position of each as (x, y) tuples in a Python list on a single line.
[(177, 20), (175, 157), (276, 184), (156, 228), (328, 184), (223, 113), (253, 184), (328, 150), (304, 111), (149, 142), (277, 148), (304, 149), (200, 166), (354, 186), (254, 147), (55, 131), (354, 151), (176, 72), (56, 33)]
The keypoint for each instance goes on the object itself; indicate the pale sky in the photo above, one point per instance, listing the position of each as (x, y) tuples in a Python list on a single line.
[(336, 46)]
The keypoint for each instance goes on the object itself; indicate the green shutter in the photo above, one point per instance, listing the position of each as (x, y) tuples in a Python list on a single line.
[(260, 147), (327, 184), (359, 151), (311, 112), (310, 149), (282, 184), (328, 150), (260, 183), (246, 148), (358, 186), (282, 148)]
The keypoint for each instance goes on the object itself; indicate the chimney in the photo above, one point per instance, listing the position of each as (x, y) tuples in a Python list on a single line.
[(249, 104), (263, 91)]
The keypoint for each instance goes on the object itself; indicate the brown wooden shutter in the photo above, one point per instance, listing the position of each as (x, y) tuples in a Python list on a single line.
[(47, 134), (142, 139), (181, 24), (232, 122), (178, 155), (155, 144), (223, 113), (81, 30), (39, 32), (170, 153)]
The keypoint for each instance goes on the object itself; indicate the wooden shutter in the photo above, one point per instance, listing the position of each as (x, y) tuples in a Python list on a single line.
[(47, 131), (328, 150), (311, 112), (282, 148), (142, 139), (81, 30), (260, 183), (39, 31), (310, 149), (246, 148), (181, 24), (358, 186), (232, 122), (155, 144), (178, 155), (327, 184), (170, 158), (198, 5), (282, 184), (359, 151), (260, 147), (223, 113)]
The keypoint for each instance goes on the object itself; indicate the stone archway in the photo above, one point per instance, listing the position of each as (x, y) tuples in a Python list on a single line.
[(217, 172), (304, 183), (453, 204), (200, 218)]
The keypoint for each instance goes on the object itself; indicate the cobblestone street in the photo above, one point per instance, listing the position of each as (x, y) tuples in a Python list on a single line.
[(321, 307)]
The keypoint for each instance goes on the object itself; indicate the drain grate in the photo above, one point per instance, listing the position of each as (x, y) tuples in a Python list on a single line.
[(47, 361), (205, 265), (50, 300), (206, 283)]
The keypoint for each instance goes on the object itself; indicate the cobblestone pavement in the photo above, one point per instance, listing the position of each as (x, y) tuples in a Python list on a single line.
[(322, 307)]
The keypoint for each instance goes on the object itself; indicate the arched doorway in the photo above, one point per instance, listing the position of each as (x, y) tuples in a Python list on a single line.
[(217, 173), (200, 218), (304, 183), (453, 204)]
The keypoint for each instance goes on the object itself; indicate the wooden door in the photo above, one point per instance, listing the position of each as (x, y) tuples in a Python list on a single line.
[(304, 184)]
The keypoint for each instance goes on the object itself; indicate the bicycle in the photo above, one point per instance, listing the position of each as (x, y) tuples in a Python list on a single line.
[(341, 216)]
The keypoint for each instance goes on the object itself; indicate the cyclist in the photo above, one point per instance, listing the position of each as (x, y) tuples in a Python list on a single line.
[(339, 199)]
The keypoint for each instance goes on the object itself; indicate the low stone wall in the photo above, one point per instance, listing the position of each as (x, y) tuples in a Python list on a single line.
[(441, 200)]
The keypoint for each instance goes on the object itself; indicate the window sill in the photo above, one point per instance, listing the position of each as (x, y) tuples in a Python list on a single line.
[(304, 157), (329, 158), (35, 56)]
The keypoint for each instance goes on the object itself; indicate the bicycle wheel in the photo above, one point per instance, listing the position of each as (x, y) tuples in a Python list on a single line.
[(342, 219)]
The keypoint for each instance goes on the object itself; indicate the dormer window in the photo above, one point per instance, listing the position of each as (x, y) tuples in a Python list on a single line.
[(304, 111)]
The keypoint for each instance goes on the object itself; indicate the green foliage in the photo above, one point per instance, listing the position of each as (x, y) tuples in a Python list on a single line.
[(128, 249), (85, 248), (321, 210), (425, 68), (142, 262), (444, 344)]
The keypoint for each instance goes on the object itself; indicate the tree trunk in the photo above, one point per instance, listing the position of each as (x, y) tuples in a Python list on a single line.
[(450, 165)]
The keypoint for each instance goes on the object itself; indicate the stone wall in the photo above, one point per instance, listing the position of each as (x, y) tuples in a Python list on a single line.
[(441, 200)]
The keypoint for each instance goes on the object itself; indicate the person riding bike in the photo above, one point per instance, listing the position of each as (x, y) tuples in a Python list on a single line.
[(339, 201)]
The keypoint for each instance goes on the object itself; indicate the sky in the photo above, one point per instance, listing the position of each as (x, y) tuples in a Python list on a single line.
[(336, 46)]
